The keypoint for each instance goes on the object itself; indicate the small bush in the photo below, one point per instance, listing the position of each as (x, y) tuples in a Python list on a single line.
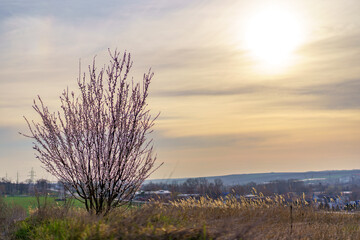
[(9, 215)]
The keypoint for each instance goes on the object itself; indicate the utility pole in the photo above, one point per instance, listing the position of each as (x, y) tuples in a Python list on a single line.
[(32, 175), (17, 182), (32, 181)]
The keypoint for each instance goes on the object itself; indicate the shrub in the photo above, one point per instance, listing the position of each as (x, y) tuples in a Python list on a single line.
[(9, 215)]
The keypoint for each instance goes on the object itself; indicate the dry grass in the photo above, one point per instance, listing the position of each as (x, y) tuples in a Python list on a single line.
[(204, 218)]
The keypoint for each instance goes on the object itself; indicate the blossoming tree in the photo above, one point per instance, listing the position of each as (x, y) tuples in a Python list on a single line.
[(98, 144)]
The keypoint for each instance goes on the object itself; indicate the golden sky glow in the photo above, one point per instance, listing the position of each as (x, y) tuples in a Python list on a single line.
[(242, 86)]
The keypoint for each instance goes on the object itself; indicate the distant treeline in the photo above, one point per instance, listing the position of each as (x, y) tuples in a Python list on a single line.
[(217, 188), (202, 187), (40, 186)]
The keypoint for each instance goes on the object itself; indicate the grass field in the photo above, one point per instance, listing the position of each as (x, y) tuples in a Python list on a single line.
[(31, 202)]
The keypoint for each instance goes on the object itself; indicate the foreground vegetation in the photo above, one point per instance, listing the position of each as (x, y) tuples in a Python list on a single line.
[(204, 218)]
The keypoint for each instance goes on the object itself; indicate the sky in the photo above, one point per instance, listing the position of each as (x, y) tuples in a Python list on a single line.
[(241, 86)]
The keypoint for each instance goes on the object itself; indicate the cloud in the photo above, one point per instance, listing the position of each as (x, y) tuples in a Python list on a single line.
[(338, 95), (67, 10), (247, 141), (11, 141), (249, 89), (333, 56)]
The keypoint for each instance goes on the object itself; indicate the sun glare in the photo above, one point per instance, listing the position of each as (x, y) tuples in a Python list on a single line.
[(272, 35)]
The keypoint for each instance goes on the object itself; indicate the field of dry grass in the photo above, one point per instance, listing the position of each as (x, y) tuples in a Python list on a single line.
[(192, 219)]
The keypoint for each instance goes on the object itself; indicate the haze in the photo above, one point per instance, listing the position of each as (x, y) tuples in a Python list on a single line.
[(242, 87)]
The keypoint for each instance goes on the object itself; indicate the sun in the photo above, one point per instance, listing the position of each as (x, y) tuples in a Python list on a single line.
[(272, 35)]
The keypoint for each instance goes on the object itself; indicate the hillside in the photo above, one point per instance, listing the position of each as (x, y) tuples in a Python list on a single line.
[(313, 176)]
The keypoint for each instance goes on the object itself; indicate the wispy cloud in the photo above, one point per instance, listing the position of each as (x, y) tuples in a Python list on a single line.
[(249, 89), (338, 95), (248, 141)]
